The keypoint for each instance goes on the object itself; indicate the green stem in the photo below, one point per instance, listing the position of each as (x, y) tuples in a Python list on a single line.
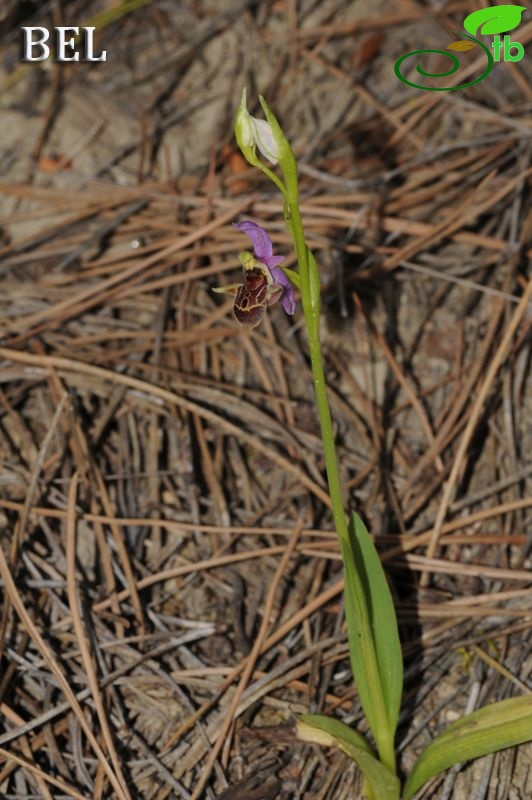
[(271, 175), (311, 309), (329, 450)]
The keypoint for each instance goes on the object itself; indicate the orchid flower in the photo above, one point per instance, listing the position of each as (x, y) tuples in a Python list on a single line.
[(264, 281)]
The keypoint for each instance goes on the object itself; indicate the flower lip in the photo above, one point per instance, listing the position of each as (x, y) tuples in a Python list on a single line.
[(263, 252)]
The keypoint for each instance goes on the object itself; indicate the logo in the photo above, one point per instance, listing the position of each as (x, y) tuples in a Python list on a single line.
[(65, 47), (487, 22)]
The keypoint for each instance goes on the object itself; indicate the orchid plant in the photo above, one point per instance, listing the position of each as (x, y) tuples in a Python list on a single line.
[(374, 645)]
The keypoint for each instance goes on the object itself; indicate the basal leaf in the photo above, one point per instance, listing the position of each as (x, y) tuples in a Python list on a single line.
[(461, 45), (382, 618), (497, 19), (362, 651), (492, 728), (380, 782), (321, 729)]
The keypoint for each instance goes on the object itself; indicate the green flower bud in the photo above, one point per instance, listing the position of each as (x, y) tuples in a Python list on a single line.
[(244, 131), (251, 133)]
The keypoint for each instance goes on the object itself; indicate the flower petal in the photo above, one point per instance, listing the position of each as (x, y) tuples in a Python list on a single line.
[(272, 261), (288, 300), (264, 139), (262, 244)]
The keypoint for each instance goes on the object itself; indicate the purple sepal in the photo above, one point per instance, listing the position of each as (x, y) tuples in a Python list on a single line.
[(262, 244), (288, 301)]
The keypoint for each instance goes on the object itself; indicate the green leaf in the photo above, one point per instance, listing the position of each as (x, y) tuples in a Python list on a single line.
[(374, 647), (497, 19), (321, 729), (318, 728), (487, 730), (314, 283), (462, 46), (294, 276), (382, 617)]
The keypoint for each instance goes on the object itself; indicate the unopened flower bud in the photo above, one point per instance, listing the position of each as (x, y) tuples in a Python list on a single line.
[(251, 132)]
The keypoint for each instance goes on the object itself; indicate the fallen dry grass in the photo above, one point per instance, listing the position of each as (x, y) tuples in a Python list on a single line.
[(171, 583)]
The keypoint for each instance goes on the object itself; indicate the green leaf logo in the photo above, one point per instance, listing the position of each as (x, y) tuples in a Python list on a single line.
[(498, 19)]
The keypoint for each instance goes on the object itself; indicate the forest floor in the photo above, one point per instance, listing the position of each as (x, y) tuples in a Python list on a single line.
[(157, 460)]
